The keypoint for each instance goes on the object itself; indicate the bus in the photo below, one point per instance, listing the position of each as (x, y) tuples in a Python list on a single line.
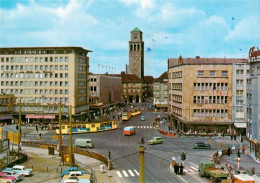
[(136, 111), (129, 130), (126, 116), (85, 127)]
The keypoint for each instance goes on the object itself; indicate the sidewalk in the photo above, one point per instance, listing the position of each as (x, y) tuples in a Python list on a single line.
[(246, 162), (40, 160)]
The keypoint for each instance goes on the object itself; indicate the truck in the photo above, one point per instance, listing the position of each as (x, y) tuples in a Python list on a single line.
[(208, 169)]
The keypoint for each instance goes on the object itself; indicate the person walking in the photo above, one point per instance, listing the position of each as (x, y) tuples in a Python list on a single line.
[(36, 127), (243, 148), (175, 168), (181, 169), (228, 151), (178, 168)]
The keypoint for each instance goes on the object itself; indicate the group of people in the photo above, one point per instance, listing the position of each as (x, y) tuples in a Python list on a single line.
[(178, 168)]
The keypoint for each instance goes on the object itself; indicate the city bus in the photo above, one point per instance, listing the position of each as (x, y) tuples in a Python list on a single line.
[(129, 130), (126, 116), (85, 127), (136, 111)]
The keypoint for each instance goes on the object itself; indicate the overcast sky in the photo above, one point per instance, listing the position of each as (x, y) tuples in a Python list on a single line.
[(208, 28)]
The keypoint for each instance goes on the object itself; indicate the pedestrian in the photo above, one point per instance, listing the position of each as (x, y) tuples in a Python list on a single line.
[(241, 138), (243, 148), (169, 128), (231, 136), (142, 140), (228, 151), (181, 169), (36, 127), (101, 167), (177, 170), (235, 137), (253, 171)]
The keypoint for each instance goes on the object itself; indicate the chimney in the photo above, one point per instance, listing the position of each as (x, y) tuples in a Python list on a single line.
[(197, 57)]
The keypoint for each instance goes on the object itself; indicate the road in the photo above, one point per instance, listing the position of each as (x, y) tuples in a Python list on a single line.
[(125, 152)]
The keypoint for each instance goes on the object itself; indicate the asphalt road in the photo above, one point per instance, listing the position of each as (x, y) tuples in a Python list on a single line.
[(125, 152)]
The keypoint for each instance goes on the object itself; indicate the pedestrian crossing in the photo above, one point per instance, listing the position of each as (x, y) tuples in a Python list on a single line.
[(191, 169), (145, 127), (127, 173)]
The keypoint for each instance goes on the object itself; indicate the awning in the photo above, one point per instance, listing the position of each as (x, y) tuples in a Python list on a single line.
[(240, 125), (5, 117), (34, 116)]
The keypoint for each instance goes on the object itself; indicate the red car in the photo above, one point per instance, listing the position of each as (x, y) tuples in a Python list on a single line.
[(3, 176)]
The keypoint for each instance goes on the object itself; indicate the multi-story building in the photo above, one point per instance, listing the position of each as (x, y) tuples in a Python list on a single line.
[(253, 108), (241, 76), (148, 86), (105, 91), (160, 96), (6, 107), (200, 94), (136, 53), (42, 77)]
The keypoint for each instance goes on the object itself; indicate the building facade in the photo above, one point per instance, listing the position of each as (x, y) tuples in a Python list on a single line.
[(200, 94), (148, 86), (160, 96), (105, 91), (136, 53), (6, 107), (253, 108), (42, 77), (241, 76)]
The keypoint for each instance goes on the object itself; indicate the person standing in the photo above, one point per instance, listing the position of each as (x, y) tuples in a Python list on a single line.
[(181, 169), (177, 168), (36, 127), (243, 148), (228, 151)]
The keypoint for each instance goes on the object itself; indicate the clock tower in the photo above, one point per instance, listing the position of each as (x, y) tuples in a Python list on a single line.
[(136, 53)]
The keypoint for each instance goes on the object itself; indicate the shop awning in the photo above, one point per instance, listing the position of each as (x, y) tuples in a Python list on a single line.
[(240, 125), (5, 117), (35, 116)]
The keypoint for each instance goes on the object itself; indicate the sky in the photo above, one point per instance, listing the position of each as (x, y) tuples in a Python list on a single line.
[(205, 28)]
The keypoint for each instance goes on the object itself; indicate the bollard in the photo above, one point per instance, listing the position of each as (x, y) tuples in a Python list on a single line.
[(60, 169), (47, 168)]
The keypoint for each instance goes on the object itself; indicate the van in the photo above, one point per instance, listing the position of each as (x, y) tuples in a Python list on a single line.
[(130, 130), (84, 143)]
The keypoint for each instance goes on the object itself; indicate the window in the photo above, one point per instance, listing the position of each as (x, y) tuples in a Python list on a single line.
[(239, 82), (239, 92), (200, 73), (224, 73), (212, 73)]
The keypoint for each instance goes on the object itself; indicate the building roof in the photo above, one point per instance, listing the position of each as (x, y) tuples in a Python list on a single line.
[(162, 77), (129, 78), (136, 30), (148, 79), (205, 61)]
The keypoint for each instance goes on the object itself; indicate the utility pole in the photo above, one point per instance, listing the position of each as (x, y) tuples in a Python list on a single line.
[(141, 164), (60, 135), (70, 138), (19, 125)]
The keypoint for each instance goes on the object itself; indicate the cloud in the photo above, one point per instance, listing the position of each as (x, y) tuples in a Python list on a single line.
[(144, 4), (247, 29)]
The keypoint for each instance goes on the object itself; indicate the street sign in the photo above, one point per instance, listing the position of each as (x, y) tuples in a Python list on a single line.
[(219, 152), (233, 147)]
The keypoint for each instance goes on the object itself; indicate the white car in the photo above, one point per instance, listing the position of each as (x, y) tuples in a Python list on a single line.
[(14, 174)]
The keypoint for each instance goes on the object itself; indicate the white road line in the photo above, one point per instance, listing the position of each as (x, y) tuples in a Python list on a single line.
[(192, 167), (119, 174), (136, 172), (190, 170), (131, 173), (151, 127), (141, 126), (144, 126), (193, 164), (185, 170), (137, 126), (125, 174)]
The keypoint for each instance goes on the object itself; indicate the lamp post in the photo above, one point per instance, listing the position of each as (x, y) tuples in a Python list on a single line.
[(238, 160)]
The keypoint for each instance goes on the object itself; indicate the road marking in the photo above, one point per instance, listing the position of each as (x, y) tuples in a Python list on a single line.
[(131, 173), (124, 172), (185, 170), (183, 180), (192, 167), (144, 126), (136, 172), (141, 126), (190, 170), (137, 126), (119, 174), (151, 127)]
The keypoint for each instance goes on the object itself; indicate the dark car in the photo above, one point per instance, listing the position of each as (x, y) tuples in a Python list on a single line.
[(201, 145)]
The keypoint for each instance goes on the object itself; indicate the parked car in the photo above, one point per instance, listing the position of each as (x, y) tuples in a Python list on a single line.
[(143, 118), (70, 181), (71, 169), (7, 178), (82, 178), (14, 173), (20, 169), (155, 140), (201, 145), (84, 143)]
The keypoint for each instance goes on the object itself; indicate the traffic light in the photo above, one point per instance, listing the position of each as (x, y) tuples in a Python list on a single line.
[(109, 154), (183, 156)]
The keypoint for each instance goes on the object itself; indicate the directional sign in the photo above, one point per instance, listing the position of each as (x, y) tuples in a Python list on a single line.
[(233, 147)]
